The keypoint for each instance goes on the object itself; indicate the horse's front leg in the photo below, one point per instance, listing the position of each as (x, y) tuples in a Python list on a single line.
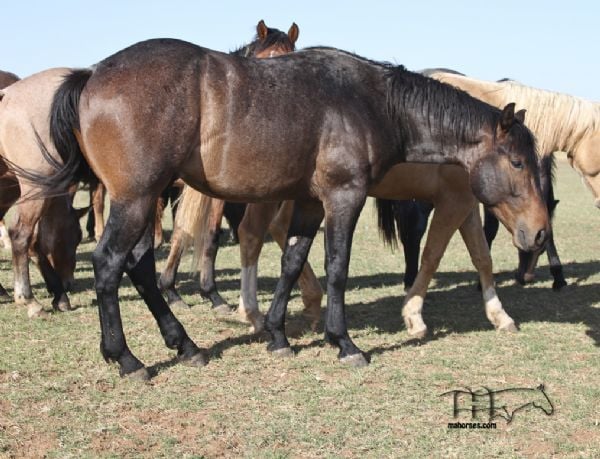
[(310, 288), (206, 266), (472, 233), (305, 223), (342, 209)]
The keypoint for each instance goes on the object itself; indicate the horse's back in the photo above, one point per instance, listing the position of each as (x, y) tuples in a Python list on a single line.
[(24, 111), (227, 123)]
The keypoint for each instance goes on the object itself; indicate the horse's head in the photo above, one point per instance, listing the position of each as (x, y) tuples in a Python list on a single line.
[(58, 236), (586, 161), (273, 42), (506, 181)]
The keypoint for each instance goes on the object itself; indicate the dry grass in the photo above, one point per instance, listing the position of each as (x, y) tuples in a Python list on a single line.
[(59, 399)]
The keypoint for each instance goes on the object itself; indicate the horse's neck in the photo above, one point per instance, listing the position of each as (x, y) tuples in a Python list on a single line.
[(430, 149)]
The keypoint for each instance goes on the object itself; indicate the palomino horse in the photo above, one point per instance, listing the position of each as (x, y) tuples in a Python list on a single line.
[(560, 123), (268, 43), (24, 110), (320, 126)]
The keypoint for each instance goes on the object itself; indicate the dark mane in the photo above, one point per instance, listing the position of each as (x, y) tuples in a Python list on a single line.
[(274, 37), (445, 108)]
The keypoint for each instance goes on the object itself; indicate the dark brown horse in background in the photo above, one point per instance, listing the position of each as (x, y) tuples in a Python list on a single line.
[(320, 126), (47, 228)]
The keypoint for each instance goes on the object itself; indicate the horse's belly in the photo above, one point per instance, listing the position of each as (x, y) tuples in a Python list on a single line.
[(424, 182)]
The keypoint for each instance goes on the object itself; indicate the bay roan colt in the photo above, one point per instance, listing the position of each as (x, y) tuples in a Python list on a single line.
[(320, 126)]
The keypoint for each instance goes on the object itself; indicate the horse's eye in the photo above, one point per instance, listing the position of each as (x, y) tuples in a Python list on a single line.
[(516, 163)]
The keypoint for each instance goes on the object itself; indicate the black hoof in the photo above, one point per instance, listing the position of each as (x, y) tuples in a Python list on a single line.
[(141, 374), (282, 353), (559, 284), (197, 360)]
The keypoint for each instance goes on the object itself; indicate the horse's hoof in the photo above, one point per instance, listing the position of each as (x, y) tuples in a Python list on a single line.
[(509, 327), (142, 375), (197, 360), (282, 353), (354, 360), (179, 304), (557, 285), (36, 311), (222, 310), (62, 305), (418, 334)]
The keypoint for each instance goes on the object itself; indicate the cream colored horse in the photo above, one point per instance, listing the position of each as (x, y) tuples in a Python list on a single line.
[(560, 122)]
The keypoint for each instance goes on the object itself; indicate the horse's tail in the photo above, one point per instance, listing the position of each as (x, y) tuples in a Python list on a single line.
[(64, 121), (387, 222), (193, 218)]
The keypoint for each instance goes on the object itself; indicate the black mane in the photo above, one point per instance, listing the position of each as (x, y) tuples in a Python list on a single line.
[(445, 108)]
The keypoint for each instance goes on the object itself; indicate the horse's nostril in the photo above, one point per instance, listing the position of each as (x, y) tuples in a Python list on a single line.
[(540, 238)]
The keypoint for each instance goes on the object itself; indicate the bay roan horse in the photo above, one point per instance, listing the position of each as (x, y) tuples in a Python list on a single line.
[(319, 126), (560, 123), (47, 228)]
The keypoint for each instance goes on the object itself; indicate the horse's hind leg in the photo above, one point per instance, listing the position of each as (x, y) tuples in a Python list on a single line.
[(311, 290), (472, 233), (21, 234), (251, 233), (166, 282), (127, 244), (98, 195), (446, 219), (305, 223), (54, 284)]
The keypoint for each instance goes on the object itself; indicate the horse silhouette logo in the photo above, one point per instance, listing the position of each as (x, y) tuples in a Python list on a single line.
[(501, 403)]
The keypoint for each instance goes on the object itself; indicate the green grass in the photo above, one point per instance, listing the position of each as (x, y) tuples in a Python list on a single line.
[(59, 399)]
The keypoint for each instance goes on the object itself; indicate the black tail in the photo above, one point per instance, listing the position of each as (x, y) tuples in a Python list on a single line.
[(64, 119), (387, 222)]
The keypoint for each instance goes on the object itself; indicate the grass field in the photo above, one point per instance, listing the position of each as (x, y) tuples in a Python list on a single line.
[(59, 399)]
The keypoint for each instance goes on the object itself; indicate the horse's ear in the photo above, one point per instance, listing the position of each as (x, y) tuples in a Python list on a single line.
[(507, 119), (82, 212), (520, 115), (261, 30), (293, 33)]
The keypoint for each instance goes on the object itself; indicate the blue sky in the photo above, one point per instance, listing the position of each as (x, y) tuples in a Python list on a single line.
[(547, 44)]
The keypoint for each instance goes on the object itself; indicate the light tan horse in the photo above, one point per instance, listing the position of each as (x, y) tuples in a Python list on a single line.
[(560, 122), (446, 186), (24, 110)]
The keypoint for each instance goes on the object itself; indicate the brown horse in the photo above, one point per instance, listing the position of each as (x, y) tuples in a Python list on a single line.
[(24, 109), (320, 126), (560, 123), (267, 43)]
